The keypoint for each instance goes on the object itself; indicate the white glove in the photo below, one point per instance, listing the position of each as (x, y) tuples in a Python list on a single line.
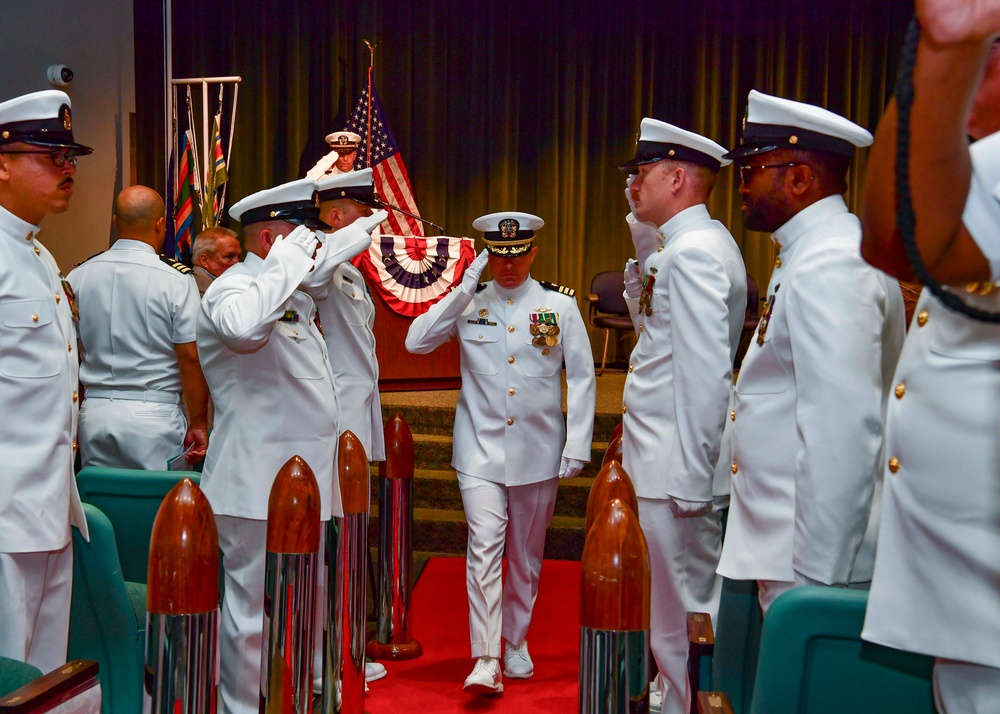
[(568, 468), (628, 193), (633, 279), (370, 223), (471, 278), (301, 237), (688, 509)]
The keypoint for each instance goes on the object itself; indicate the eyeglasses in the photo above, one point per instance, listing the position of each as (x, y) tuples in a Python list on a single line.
[(747, 171), (59, 159)]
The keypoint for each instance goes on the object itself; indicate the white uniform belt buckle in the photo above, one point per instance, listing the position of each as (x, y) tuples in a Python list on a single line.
[(135, 395)]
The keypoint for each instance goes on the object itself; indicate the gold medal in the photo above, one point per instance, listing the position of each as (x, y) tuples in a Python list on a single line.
[(544, 329), (534, 329), (551, 340), (538, 341), (484, 313), (554, 330)]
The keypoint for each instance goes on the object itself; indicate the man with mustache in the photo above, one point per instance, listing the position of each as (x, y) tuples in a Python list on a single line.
[(807, 426), (39, 375)]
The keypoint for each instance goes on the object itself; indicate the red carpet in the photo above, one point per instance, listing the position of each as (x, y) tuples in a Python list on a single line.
[(439, 614)]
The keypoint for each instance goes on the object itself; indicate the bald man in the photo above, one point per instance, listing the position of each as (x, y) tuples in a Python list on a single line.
[(138, 312)]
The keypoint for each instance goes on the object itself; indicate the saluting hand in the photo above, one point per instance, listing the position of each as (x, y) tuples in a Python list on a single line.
[(471, 278), (301, 237)]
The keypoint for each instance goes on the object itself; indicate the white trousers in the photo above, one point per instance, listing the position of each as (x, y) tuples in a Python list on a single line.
[(130, 434), (35, 594), (683, 556), (498, 516), (965, 688)]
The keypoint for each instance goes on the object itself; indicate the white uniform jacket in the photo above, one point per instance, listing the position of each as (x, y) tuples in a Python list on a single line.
[(38, 396), (680, 381), (509, 424), (267, 368), (134, 309), (347, 315), (936, 588), (807, 427)]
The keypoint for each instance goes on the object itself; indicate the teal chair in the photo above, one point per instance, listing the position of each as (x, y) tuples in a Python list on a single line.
[(107, 616), (14, 674), (130, 499), (812, 660), (737, 641)]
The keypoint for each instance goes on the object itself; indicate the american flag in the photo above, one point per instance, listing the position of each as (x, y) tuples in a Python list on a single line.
[(392, 183)]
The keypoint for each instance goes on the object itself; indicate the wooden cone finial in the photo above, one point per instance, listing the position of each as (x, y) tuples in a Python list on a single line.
[(352, 466), (614, 450), (293, 510), (614, 572), (398, 449), (612, 482), (183, 575)]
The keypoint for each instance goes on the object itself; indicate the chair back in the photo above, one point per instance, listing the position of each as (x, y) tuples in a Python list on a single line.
[(14, 674), (609, 287), (107, 620), (130, 499), (812, 659), (737, 640)]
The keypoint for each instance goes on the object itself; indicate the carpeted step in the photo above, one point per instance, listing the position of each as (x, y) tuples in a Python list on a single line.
[(440, 421), (438, 489), (433, 452), (445, 531)]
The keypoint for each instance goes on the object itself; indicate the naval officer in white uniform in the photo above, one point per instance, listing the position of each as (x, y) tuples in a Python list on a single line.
[(140, 370), (511, 444), (937, 569), (686, 290), (340, 160), (347, 312), (39, 501), (807, 426), (269, 374)]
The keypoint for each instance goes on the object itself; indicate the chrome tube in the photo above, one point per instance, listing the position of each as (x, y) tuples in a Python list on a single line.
[(286, 675), (614, 671), (333, 626), (352, 564), (395, 564), (181, 673)]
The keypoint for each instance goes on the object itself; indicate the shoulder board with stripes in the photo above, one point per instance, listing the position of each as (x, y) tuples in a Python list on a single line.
[(86, 259), (557, 288), (176, 265), (481, 287)]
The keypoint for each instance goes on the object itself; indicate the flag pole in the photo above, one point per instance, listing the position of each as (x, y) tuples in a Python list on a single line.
[(371, 71)]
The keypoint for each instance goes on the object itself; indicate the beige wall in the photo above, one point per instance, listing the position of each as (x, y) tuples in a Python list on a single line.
[(94, 39)]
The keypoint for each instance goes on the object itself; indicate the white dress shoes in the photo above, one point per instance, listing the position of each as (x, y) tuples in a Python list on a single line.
[(485, 677), (373, 671), (517, 662)]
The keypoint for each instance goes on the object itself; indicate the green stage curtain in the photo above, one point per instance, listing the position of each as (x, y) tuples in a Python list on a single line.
[(526, 105)]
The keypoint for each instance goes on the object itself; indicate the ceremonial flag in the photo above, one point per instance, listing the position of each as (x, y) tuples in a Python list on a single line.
[(217, 175), (184, 202), (392, 183)]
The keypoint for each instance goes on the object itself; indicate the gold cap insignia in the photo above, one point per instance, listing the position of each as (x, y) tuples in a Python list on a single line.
[(508, 228), (67, 119)]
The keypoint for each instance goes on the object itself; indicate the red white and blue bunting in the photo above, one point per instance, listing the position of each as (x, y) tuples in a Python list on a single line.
[(411, 273)]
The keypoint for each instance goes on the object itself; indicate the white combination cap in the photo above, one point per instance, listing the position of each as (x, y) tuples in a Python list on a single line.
[(295, 202), (508, 233), (775, 123), (356, 185), (343, 141), (659, 140), (40, 119)]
